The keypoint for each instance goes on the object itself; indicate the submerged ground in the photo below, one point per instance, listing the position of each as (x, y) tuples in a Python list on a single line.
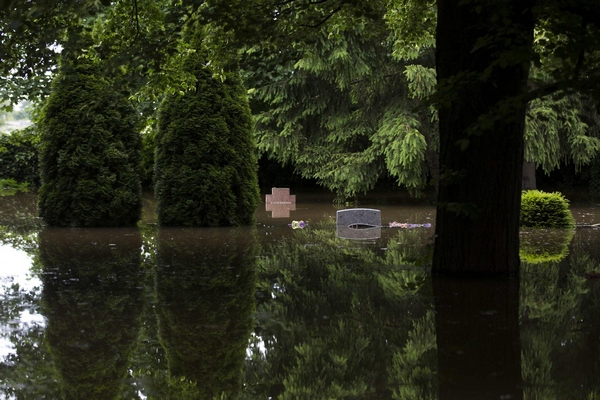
[(270, 311)]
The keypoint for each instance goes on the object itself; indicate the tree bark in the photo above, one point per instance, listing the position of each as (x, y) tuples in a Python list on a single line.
[(529, 181), (477, 222)]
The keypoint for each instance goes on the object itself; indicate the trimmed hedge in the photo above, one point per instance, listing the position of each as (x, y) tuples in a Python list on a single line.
[(90, 153), (19, 156), (206, 166), (545, 210)]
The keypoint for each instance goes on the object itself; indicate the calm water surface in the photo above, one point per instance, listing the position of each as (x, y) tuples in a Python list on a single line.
[(271, 312)]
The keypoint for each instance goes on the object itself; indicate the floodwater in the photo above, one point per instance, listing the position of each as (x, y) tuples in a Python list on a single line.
[(273, 312)]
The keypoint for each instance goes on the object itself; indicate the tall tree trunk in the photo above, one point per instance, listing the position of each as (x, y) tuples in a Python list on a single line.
[(529, 181), (477, 226)]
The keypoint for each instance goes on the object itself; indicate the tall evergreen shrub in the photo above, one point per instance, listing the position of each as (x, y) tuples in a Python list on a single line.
[(206, 166), (90, 151)]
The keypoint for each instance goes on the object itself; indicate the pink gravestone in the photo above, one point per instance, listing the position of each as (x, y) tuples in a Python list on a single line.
[(280, 202)]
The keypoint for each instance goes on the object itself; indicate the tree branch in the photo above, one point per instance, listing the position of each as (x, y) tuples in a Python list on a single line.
[(135, 15), (283, 3), (318, 24), (591, 83), (581, 55)]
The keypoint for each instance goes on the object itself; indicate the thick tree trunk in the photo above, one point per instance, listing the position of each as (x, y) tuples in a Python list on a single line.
[(529, 181), (477, 226)]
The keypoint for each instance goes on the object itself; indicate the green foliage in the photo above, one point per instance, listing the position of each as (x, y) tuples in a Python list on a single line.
[(148, 47), (31, 32), (412, 24), (340, 109), (90, 151), (566, 43), (19, 156), (206, 166), (10, 187), (557, 133), (545, 210)]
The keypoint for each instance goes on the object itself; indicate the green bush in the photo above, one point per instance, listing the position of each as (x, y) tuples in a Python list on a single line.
[(545, 210), (90, 153), (19, 156), (206, 166), (10, 187)]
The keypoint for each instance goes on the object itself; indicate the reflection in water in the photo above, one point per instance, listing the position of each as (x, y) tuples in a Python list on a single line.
[(19, 212), (477, 328), (92, 301), (205, 284), (337, 320), (560, 329), (544, 245), (369, 233), (332, 318)]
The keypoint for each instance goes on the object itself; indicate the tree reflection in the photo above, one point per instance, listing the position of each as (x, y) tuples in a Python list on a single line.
[(477, 328), (544, 245), (205, 285), (26, 371), (92, 301), (338, 319), (19, 223), (25, 368), (560, 328), (333, 318)]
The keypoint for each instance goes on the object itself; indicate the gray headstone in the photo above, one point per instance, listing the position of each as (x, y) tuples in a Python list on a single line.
[(358, 217), (358, 223)]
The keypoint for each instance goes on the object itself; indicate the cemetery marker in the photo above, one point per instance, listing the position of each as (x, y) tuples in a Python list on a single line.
[(280, 202)]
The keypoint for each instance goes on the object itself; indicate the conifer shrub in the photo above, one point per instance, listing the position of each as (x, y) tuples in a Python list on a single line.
[(19, 156), (90, 151), (206, 165), (545, 210)]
